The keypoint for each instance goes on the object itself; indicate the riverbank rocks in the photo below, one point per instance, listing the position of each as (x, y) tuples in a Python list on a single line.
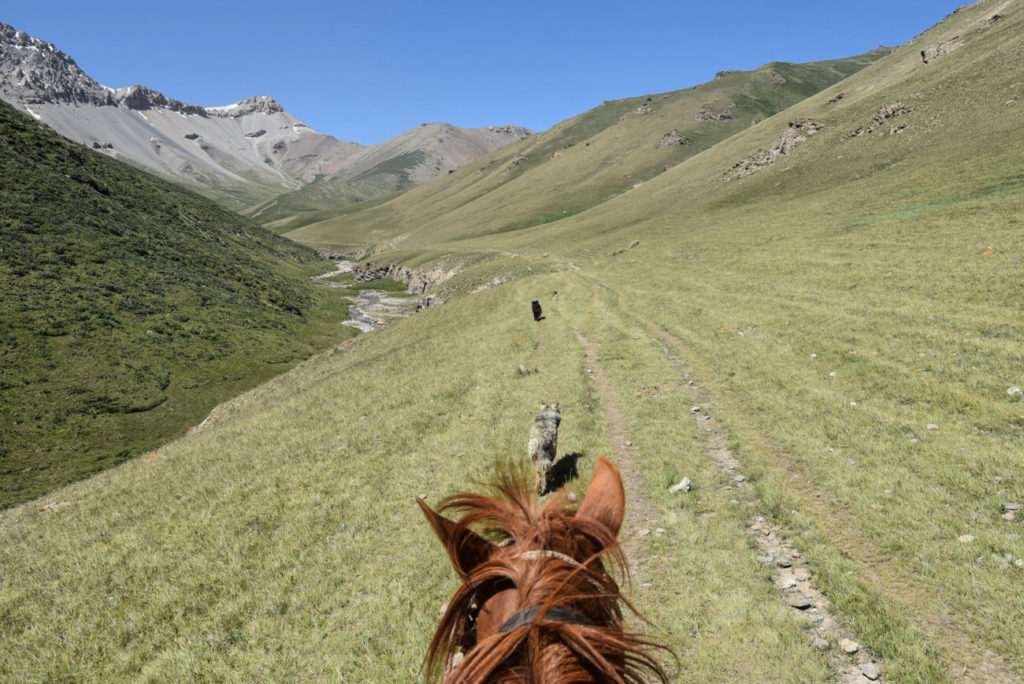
[(416, 280)]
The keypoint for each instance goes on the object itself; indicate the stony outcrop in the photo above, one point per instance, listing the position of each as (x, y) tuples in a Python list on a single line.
[(258, 104), (140, 98), (33, 71), (797, 133), (931, 53), (706, 113), (671, 138), (416, 280), (881, 117)]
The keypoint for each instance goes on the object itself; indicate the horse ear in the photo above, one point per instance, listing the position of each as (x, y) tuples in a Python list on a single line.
[(605, 499), (466, 549)]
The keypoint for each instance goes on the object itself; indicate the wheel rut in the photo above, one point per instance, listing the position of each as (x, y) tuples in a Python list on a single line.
[(639, 512), (791, 575)]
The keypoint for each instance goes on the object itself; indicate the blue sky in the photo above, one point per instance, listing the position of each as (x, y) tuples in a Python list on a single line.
[(369, 70)]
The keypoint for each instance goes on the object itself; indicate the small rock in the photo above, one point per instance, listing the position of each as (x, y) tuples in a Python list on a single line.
[(1008, 515), (1011, 507), (787, 583), (644, 532), (572, 496), (801, 574), (832, 374), (820, 643), (739, 478), (932, 426), (794, 554), (798, 602), (681, 486), (629, 444), (848, 646), (783, 562), (1015, 391), (966, 539), (695, 409), (1019, 562), (870, 670), (814, 356), (659, 530)]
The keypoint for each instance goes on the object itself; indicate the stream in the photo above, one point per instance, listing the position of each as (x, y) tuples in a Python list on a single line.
[(370, 308)]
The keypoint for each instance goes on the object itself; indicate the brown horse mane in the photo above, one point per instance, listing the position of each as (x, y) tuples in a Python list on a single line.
[(601, 651)]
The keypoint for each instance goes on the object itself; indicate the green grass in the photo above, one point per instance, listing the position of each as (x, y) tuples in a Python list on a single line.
[(577, 164), (130, 309), (831, 307)]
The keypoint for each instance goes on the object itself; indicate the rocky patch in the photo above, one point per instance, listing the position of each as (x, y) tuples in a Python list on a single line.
[(516, 161), (417, 281), (706, 113), (930, 54), (33, 71), (798, 131), (881, 117), (672, 138)]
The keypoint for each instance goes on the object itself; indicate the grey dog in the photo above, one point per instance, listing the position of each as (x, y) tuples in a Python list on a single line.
[(544, 442)]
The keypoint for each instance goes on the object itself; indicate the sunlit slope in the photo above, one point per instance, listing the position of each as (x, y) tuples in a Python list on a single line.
[(856, 310), (898, 140), (581, 162), (283, 541), (850, 315), (129, 307)]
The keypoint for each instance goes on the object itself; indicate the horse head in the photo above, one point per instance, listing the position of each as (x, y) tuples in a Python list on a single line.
[(536, 602)]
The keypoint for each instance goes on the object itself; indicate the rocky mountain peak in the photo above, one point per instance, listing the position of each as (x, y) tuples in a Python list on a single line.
[(141, 97), (33, 71), (263, 104)]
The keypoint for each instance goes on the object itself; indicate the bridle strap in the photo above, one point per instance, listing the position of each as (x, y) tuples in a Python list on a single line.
[(555, 614), (534, 554)]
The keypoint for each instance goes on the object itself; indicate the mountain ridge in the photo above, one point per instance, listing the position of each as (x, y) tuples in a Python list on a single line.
[(239, 154)]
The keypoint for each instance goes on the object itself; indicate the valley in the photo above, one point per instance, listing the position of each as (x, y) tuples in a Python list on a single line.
[(810, 309)]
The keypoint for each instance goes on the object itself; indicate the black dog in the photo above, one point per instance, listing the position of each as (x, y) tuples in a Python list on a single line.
[(536, 311)]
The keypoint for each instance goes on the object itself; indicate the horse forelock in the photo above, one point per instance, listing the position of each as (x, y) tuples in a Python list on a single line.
[(574, 575)]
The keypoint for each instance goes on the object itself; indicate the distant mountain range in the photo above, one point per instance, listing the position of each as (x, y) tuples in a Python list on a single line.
[(240, 154)]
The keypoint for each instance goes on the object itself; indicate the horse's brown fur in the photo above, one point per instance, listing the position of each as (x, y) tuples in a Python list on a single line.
[(505, 569)]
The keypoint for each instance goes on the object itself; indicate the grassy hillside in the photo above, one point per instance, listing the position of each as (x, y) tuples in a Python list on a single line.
[(582, 162), (821, 339), (130, 308)]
